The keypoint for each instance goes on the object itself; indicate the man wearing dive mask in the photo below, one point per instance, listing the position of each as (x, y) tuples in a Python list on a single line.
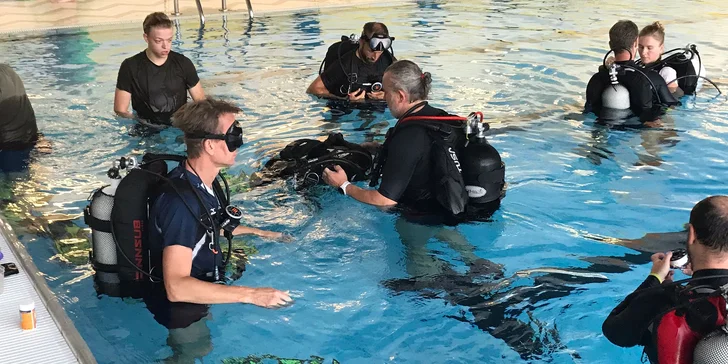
[(233, 137), (354, 72), (191, 259)]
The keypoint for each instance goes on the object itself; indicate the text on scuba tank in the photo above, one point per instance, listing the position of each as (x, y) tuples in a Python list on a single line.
[(138, 224), (454, 159)]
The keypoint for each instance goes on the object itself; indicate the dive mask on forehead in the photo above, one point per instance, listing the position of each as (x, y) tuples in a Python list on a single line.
[(379, 42), (233, 137)]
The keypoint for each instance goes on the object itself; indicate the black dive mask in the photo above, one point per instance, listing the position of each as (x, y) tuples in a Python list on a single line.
[(233, 137), (378, 42)]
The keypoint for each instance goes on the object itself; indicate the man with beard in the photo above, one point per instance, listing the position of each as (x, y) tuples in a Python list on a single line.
[(347, 76)]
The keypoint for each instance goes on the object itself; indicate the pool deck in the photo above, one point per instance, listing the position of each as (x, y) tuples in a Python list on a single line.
[(55, 340), (38, 15)]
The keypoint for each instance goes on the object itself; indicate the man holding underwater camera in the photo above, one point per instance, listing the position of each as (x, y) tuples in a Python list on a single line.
[(357, 73), (659, 314)]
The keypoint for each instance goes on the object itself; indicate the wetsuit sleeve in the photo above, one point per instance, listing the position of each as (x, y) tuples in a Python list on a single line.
[(404, 152), (627, 324), (594, 91), (124, 79), (190, 73), (334, 77), (175, 222)]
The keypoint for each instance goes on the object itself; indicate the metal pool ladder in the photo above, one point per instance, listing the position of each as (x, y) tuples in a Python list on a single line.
[(202, 14)]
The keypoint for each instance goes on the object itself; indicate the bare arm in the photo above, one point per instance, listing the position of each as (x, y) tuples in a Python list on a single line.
[(121, 104), (317, 88), (181, 287), (337, 177), (197, 92), (371, 197), (246, 230)]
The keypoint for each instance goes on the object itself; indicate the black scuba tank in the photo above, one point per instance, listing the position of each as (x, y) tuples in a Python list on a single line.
[(483, 169)]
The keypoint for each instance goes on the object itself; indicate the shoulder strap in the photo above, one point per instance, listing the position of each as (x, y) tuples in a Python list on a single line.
[(443, 125)]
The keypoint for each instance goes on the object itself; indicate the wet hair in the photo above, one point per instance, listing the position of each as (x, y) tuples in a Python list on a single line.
[(709, 219), (408, 77), (656, 30), (156, 20), (623, 35), (201, 117), (372, 28)]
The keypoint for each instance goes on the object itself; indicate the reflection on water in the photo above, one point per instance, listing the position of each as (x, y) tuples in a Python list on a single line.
[(583, 202)]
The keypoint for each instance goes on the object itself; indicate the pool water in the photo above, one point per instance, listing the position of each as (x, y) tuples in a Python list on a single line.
[(576, 190)]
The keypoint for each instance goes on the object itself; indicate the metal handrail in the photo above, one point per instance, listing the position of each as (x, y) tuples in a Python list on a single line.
[(224, 9), (199, 11)]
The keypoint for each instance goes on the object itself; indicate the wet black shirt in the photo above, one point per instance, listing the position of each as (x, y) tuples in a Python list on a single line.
[(627, 325), (336, 79), (157, 91), (18, 129), (406, 173), (643, 101)]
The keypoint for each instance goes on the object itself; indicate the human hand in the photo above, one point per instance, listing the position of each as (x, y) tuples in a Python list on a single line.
[(274, 235), (653, 124), (376, 95), (358, 95), (688, 269), (269, 298), (336, 177), (661, 265), (670, 276)]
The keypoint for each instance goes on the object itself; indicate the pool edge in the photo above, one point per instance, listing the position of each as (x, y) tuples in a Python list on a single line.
[(20, 34), (73, 338)]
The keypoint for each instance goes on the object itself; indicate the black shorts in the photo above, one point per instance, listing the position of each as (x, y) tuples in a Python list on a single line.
[(174, 315)]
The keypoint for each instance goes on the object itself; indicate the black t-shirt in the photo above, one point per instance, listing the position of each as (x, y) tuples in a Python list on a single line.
[(18, 129), (643, 101), (406, 173), (336, 79), (157, 91)]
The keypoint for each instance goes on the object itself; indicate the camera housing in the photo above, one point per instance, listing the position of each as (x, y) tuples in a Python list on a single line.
[(679, 259)]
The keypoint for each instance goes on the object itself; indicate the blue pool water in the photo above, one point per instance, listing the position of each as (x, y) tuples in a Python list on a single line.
[(574, 188)]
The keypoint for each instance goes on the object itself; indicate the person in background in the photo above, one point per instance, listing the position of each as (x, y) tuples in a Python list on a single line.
[(156, 80), (343, 78), (18, 128), (643, 102)]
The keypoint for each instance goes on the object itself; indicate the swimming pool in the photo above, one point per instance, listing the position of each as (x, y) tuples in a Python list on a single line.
[(572, 185)]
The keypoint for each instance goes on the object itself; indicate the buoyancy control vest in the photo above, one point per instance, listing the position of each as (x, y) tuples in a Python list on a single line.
[(616, 94), (687, 64), (677, 333), (118, 215), (306, 159), (466, 169)]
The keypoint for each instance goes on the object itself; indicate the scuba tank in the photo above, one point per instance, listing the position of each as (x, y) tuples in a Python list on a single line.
[(713, 348), (98, 216), (118, 215), (482, 168), (617, 96), (104, 255)]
